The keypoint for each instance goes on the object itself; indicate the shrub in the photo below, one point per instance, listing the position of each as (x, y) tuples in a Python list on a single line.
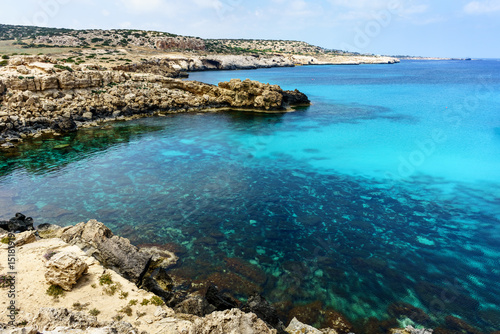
[(117, 317), (5, 281), (79, 306), (95, 312), (55, 291), (105, 279), (127, 310), (5, 57), (157, 301), (110, 290), (123, 295), (145, 302), (62, 67), (133, 302), (7, 239)]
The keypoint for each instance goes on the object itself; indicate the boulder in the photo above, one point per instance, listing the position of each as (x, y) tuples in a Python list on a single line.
[(220, 301), (46, 231), (65, 269), (195, 305), (25, 238), (296, 327), (231, 322), (64, 125), (112, 251), (19, 223)]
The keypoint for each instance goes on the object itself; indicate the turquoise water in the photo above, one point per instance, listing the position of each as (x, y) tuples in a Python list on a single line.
[(385, 190)]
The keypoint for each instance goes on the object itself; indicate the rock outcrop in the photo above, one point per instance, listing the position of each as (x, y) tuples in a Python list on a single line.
[(296, 327), (231, 322), (411, 330), (112, 251), (179, 43), (65, 269), (265, 311), (63, 101)]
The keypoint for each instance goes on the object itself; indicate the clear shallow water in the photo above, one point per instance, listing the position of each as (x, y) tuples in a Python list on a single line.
[(386, 189)]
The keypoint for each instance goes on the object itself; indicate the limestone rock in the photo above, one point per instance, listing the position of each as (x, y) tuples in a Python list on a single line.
[(195, 305), (231, 322), (63, 321), (296, 327), (25, 330), (264, 310), (180, 42), (25, 238), (111, 251), (64, 269), (411, 330), (160, 257), (49, 319)]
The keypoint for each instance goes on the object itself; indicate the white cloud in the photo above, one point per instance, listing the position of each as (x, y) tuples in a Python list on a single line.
[(482, 7)]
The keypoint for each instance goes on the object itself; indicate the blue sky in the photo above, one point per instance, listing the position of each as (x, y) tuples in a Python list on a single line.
[(444, 28)]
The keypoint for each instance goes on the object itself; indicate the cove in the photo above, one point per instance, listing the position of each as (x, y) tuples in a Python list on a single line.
[(383, 192)]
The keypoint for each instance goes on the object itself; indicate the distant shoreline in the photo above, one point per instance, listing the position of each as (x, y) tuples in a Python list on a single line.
[(432, 58)]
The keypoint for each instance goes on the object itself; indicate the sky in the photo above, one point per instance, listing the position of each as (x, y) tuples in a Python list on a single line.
[(434, 28)]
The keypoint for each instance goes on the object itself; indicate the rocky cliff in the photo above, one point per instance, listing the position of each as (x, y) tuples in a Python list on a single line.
[(61, 99)]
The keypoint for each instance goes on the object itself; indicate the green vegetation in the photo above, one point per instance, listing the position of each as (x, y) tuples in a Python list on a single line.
[(105, 279), (110, 287), (55, 291), (123, 295), (62, 67), (95, 312), (157, 301), (117, 317), (79, 306), (7, 239), (127, 310), (133, 302), (5, 281)]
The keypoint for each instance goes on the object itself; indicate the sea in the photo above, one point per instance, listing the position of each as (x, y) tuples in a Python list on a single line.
[(380, 201)]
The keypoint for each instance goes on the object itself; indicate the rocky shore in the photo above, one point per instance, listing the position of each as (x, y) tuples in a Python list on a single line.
[(84, 279), (38, 95)]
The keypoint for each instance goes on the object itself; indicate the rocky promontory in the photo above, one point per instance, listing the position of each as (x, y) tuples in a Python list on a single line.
[(38, 95)]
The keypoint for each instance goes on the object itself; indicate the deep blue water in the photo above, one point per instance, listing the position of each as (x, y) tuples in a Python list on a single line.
[(386, 189)]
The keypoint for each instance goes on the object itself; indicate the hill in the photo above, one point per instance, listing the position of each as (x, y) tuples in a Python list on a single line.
[(39, 37)]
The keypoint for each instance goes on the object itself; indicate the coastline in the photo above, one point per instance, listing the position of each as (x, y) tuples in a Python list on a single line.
[(47, 98), (90, 303), (40, 94)]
